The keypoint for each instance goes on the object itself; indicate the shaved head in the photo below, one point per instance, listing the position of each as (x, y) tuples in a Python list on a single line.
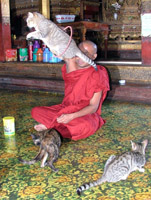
[(89, 45), (89, 48)]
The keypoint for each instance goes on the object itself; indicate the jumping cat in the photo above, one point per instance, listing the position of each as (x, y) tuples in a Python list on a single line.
[(119, 167), (54, 37), (49, 142)]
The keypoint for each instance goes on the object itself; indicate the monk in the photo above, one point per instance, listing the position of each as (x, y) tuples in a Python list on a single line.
[(78, 116)]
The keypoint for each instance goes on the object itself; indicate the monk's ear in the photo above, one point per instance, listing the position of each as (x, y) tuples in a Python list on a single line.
[(94, 56)]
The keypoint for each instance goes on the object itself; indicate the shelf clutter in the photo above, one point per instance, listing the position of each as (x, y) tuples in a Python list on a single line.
[(36, 51)]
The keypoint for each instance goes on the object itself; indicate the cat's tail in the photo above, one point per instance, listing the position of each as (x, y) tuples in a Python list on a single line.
[(89, 185), (87, 59), (30, 162)]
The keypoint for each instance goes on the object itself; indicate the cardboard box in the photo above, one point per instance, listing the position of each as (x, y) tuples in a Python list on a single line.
[(11, 55)]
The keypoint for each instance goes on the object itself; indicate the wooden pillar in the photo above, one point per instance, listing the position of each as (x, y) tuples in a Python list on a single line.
[(45, 8), (5, 31), (146, 32)]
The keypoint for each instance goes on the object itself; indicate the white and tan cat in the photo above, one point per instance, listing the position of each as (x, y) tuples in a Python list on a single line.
[(54, 37)]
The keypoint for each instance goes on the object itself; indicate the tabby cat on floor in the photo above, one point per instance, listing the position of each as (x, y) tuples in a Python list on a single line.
[(119, 167), (49, 142), (56, 39)]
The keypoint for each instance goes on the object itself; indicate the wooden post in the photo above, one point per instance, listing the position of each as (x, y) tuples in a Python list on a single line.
[(5, 31), (45, 8), (81, 10), (146, 32)]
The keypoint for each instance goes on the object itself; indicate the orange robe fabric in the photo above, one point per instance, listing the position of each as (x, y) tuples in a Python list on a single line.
[(80, 86)]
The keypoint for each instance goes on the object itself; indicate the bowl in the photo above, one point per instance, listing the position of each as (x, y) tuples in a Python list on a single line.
[(122, 82), (65, 18)]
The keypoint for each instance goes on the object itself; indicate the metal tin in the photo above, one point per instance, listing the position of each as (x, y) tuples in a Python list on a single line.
[(9, 125)]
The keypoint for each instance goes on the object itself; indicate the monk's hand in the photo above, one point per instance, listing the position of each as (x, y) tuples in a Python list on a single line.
[(65, 118)]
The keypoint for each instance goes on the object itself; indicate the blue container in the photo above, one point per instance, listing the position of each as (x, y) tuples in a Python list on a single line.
[(35, 55), (46, 55), (51, 57), (54, 59), (59, 60)]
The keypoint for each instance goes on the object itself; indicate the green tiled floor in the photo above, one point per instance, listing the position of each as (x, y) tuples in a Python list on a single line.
[(79, 161)]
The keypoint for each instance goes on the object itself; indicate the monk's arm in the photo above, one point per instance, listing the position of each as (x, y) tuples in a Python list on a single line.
[(91, 108)]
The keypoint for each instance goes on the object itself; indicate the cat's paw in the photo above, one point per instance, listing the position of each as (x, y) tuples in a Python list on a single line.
[(29, 36), (55, 170), (42, 165), (141, 170)]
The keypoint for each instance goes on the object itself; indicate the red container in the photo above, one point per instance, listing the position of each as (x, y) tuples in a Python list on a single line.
[(11, 55), (30, 51), (43, 46)]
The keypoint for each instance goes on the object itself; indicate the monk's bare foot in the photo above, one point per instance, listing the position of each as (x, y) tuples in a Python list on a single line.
[(40, 127)]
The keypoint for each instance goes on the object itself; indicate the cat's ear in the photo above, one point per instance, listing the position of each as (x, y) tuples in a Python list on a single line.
[(30, 14), (145, 142), (36, 14), (133, 145), (33, 136)]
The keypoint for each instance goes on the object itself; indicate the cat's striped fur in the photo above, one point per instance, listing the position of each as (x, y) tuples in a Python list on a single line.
[(119, 167), (49, 142), (54, 37)]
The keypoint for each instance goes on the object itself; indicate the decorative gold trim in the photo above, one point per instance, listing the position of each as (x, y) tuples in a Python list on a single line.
[(5, 10), (6, 20)]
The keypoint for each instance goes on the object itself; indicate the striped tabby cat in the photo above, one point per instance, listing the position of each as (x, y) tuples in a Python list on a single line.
[(49, 142), (54, 37), (119, 167)]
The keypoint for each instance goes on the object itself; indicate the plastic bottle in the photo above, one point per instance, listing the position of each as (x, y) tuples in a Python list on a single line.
[(35, 55), (59, 60), (39, 55), (51, 57), (46, 55), (43, 46), (54, 58), (36, 45), (30, 51)]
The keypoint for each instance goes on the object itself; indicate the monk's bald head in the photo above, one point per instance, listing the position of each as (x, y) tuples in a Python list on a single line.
[(89, 48)]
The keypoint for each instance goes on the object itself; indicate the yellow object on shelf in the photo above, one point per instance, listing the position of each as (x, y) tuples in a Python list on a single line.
[(9, 125)]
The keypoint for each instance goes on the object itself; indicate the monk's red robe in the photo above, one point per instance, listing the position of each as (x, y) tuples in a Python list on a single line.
[(80, 86)]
